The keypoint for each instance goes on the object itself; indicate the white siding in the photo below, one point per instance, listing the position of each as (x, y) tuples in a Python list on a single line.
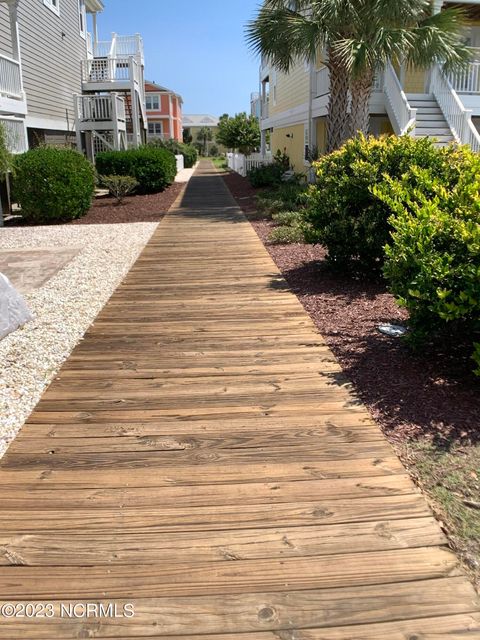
[(51, 49), (5, 37)]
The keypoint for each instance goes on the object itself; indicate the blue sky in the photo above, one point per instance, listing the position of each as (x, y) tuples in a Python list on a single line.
[(197, 48)]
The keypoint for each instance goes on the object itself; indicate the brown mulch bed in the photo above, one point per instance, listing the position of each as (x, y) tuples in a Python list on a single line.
[(105, 210), (148, 208), (430, 393)]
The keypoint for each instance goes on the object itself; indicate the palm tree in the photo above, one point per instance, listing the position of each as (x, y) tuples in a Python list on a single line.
[(286, 32), (359, 37), (403, 32), (205, 136)]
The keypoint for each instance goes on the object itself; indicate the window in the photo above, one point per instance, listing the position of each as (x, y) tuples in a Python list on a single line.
[(155, 128), (82, 18), (54, 5), (153, 103)]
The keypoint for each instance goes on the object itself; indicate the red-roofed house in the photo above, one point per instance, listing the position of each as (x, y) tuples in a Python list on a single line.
[(164, 112)]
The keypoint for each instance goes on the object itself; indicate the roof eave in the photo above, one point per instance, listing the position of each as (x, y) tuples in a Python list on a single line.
[(94, 6)]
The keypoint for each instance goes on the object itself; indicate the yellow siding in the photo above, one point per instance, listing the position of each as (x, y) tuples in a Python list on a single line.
[(319, 63), (294, 146), (321, 135), (291, 91), (415, 81)]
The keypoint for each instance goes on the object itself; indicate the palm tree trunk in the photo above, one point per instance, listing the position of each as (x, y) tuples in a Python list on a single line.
[(360, 111), (338, 118)]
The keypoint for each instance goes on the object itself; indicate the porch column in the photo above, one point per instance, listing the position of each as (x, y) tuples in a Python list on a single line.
[(95, 31), (437, 6), (13, 11)]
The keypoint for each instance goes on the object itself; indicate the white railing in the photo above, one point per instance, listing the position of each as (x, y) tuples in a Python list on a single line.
[(236, 162), (10, 78), (458, 117), (102, 48), (467, 80), (120, 47), (100, 108), (129, 46), (402, 116), (89, 45), (16, 134), (120, 108), (242, 164), (322, 82), (256, 160), (378, 81), (101, 70)]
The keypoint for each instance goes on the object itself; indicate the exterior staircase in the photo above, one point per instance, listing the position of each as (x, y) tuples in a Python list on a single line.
[(430, 121)]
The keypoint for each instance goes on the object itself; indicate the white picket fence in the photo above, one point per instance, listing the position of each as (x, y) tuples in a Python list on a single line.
[(242, 164)]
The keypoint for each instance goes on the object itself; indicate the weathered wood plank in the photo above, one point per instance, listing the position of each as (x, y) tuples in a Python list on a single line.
[(216, 578), (300, 615), (29, 496), (210, 518), (202, 474), (106, 548)]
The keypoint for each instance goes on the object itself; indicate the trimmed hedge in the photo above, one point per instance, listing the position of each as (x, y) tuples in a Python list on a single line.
[(53, 184), (154, 168), (344, 212), (188, 151), (190, 155)]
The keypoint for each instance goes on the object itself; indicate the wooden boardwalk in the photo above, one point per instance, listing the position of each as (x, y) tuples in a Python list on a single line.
[(201, 457)]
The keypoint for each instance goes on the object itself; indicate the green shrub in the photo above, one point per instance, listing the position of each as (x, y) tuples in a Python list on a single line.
[(267, 175), (285, 197), (188, 151), (433, 259), (345, 214), (153, 167), (53, 184), (190, 155), (288, 218), (119, 186), (270, 175), (287, 235)]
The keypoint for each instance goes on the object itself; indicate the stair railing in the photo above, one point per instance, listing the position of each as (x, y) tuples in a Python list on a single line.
[(458, 117), (402, 116)]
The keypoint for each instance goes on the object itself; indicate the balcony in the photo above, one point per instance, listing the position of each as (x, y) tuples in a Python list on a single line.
[(322, 82), (265, 108), (15, 133), (10, 78), (100, 113), (467, 80), (12, 97), (109, 73), (119, 47), (264, 68)]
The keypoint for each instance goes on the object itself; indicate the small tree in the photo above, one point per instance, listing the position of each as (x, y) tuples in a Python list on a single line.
[(204, 136), (241, 132)]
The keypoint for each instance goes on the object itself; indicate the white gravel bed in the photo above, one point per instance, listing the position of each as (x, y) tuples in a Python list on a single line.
[(63, 308)]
